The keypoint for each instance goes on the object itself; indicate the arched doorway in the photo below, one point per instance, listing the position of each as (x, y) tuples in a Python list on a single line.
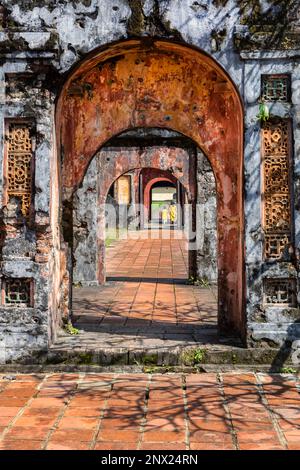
[(161, 189), (165, 85), (162, 195)]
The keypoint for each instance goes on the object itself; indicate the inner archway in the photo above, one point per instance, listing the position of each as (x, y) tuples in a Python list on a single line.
[(163, 85), (147, 292)]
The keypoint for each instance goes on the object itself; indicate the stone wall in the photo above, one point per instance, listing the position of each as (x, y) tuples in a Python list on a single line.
[(85, 227), (206, 224)]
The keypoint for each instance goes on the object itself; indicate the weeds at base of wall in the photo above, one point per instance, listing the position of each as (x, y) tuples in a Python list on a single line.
[(193, 357), (200, 282), (70, 329)]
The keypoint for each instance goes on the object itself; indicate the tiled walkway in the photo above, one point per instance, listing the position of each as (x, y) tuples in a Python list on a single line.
[(149, 255), (139, 411), (146, 303)]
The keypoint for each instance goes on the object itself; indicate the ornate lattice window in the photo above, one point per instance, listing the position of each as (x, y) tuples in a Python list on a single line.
[(20, 163), (17, 292), (280, 291), (275, 87), (276, 180)]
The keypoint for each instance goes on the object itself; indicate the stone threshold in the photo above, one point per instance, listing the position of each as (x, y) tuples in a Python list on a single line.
[(11, 369), (198, 358)]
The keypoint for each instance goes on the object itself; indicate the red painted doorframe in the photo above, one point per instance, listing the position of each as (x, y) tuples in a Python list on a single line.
[(131, 84)]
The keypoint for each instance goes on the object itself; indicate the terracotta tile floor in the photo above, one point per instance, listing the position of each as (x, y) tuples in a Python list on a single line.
[(147, 258), (140, 411), (146, 300)]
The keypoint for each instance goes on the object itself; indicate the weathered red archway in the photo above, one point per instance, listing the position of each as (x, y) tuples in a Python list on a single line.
[(168, 85), (148, 182)]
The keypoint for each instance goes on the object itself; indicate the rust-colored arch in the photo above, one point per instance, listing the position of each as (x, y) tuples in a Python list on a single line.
[(131, 84), (148, 187)]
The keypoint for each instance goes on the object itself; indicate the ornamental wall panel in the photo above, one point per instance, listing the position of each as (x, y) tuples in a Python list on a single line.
[(277, 220), (20, 161)]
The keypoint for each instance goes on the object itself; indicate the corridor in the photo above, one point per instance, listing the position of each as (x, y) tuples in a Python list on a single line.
[(146, 301)]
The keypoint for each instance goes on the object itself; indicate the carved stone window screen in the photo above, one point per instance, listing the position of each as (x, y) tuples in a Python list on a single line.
[(276, 138), (275, 87), (280, 292), (275, 244), (19, 163), (276, 172), (277, 219), (277, 213), (17, 292)]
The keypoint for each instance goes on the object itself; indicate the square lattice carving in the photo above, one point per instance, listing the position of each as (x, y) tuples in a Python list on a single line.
[(275, 87), (280, 292), (17, 292), (275, 244)]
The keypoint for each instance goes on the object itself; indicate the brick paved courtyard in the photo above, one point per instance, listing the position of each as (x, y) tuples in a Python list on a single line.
[(146, 301), (140, 411), (149, 254)]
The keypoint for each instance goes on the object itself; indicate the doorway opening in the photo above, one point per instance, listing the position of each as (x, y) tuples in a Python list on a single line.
[(167, 86), (159, 277), (163, 197)]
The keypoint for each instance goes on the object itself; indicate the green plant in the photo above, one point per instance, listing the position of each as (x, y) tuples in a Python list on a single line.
[(193, 356), (288, 370), (263, 112), (69, 328), (85, 358), (158, 369), (201, 281), (191, 280), (198, 356), (149, 359)]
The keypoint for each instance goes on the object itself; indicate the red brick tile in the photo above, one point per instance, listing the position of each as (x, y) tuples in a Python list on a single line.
[(28, 432), (266, 445), (44, 411), (167, 423), (18, 393), (162, 446), (12, 402), (287, 424), (292, 435), (164, 436), (47, 402), (289, 413), (67, 445), (81, 435), (9, 410), (85, 402), (258, 436), (5, 420), (252, 426), (211, 436), (129, 435), (108, 445), (121, 422), (208, 425), (78, 422), (211, 446), (14, 444), (37, 420), (81, 411), (294, 445)]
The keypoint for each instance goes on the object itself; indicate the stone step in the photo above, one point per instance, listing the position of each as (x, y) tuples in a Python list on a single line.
[(198, 357)]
